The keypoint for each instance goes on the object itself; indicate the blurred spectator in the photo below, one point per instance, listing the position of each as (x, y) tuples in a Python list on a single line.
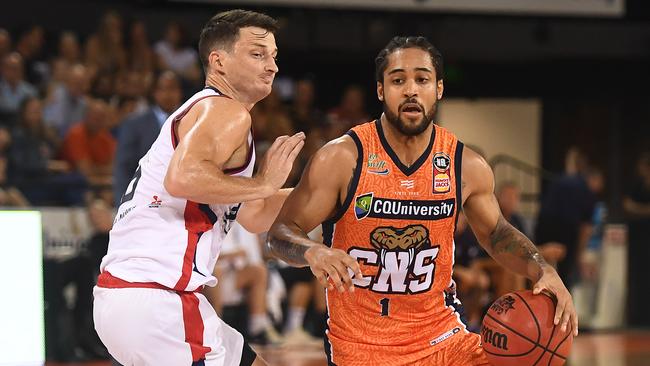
[(270, 120), (89, 147), (132, 85), (509, 198), (565, 217), (471, 277), (636, 204), (141, 55), (175, 54), (103, 86), (30, 46), (9, 195), (303, 113), (243, 276), (13, 88), (68, 102), (69, 49), (5, 43), (350, 112), (105, 50), (138, 132), (32, 167)]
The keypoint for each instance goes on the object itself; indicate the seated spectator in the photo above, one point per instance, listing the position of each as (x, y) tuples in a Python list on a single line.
[(141, 56), (29, 45), (242, 275), (303, 113), (13, 87), (175, 54), (89, 146), (5, 43), (350, 112), (68, 103), (138, 132), (105, 51), (33, 169), (9, 195)]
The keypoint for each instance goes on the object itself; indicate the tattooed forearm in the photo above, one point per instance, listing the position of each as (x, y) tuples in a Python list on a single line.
[(292, 253), (512, 248)]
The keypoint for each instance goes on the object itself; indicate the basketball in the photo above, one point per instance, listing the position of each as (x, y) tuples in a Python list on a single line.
[(518, 330)]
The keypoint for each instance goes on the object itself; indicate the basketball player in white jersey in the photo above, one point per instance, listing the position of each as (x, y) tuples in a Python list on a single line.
[(179, 206)]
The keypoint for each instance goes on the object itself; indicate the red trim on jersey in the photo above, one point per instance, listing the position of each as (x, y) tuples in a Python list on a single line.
[(193, 323), (183, 113), (196, 223), (107, 280)]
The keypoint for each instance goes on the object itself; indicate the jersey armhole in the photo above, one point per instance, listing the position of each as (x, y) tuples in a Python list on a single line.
[(458, 175), (352, 187)]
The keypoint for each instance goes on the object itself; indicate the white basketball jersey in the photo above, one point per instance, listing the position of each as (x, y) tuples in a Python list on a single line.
[(164, 239)]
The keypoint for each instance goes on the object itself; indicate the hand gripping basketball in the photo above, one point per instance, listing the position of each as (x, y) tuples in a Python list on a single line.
[(565, 311)]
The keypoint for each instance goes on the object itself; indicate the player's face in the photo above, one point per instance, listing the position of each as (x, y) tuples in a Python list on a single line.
[(251, 67), (410, 90)]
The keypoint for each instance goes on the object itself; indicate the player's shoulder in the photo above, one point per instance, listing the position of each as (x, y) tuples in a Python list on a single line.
[(476, 172), (223, 109), (340, 150)]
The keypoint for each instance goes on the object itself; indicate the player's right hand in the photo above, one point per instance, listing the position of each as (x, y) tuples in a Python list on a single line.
[(333, 268), (278, 161)]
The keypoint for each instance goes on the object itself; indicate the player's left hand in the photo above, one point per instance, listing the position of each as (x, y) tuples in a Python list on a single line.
[(565, 311)]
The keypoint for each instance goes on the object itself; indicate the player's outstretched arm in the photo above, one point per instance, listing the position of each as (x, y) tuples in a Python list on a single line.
[(257, 216), (315, 199), (507, 245), (208, 136)]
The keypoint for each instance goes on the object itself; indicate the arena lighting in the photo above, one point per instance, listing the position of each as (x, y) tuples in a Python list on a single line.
[(588, 8), (22, 335)]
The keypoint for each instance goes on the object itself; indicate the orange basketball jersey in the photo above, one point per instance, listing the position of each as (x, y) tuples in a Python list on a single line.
[(398, 222)]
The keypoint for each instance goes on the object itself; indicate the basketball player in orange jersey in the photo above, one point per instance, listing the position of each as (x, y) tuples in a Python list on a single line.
[(177, 210), (388, 194)]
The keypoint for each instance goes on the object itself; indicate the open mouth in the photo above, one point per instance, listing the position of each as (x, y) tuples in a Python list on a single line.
[(411, 108)]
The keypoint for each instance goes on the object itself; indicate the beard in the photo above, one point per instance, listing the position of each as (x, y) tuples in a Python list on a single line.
[(408, 128)]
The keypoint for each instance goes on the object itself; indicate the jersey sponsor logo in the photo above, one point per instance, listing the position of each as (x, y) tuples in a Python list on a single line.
[(366, 205), (156, 202), (377, 166), (441, 180), (441, 183), (445, 336), (362, 205), (405, 257)]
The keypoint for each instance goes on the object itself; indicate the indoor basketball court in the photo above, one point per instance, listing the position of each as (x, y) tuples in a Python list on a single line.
[(546, 99)]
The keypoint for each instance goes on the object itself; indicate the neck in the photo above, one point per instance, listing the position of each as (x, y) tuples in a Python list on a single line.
[(226, 88), (407, 148)]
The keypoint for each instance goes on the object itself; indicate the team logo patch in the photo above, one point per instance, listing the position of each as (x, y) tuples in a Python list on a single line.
[(404, 258), (407, 183), (441, 162), (362, 205), (441, 183), (376, 165)]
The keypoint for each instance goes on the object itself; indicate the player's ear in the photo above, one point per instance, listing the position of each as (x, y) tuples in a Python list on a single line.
[(380, 91), (215, 59), (441, 89)]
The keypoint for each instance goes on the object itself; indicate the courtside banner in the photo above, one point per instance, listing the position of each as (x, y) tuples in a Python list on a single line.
[(591, 8)]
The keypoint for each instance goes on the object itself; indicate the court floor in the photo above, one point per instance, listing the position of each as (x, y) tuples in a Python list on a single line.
[(629, 348)]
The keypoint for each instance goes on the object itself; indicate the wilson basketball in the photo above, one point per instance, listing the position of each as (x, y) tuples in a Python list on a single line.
[(518, 330)]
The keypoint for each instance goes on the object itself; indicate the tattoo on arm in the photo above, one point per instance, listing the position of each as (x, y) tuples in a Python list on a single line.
[(292, 253), (508, 242)]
